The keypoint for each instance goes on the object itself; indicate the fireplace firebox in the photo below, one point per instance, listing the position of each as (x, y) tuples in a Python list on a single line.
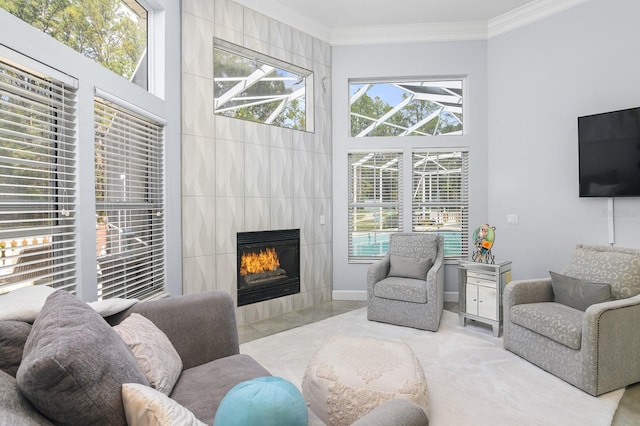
[(268, 265)]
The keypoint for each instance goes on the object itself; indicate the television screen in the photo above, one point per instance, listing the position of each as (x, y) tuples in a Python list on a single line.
[(609, 154)]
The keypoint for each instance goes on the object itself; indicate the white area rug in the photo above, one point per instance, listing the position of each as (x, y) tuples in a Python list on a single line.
[(472, 379)]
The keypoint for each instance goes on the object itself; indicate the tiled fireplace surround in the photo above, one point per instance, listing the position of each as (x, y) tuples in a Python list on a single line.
[(241, 176)]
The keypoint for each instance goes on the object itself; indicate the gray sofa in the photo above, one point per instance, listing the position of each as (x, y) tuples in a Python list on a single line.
[(592, 344), (202, 328)]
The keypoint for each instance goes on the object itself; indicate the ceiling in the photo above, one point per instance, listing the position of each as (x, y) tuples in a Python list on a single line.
[(341, 22)]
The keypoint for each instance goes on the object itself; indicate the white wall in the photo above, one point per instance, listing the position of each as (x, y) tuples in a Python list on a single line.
[(400, 61), (541, 78)]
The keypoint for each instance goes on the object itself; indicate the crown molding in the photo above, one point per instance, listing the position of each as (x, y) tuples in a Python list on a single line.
[(388, 34), (528, 14)]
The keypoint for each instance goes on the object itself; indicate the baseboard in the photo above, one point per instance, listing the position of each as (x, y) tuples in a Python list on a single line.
[(349, 295), (449, 296)]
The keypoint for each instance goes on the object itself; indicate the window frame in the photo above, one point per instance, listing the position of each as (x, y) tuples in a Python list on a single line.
[(353, 204), (141, 135), (457, 240), (446, 100), (43, 251), (305, 75)]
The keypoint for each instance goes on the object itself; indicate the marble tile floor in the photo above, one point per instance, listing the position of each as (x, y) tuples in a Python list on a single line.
[(628, 412)]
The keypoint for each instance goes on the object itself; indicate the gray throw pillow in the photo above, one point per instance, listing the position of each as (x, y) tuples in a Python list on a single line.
[(74, 365), (15, 409), (13, 336), (409, 267), (577, 293)]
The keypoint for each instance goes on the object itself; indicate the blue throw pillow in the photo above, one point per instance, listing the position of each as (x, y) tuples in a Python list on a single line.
[(265, 401)]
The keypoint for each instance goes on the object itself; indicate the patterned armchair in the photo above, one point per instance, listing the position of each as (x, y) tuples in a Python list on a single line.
[(406, 287), (596, 349)]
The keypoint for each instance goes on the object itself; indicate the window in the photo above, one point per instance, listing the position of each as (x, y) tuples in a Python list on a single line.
[(111, 32), (37, 179), (255, 87), (440, 202), (129, 190), (406, 108), (375, 202)]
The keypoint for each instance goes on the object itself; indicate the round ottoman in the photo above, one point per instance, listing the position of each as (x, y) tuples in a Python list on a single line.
[(350, 376)]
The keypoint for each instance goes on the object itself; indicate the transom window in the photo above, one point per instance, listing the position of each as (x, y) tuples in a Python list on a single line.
[(111, 32), (251, 86), (406, 108)]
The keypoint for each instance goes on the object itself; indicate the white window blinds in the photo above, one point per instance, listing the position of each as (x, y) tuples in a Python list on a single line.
[(129, 187), (440, 200), (375, 202), (37, 180)]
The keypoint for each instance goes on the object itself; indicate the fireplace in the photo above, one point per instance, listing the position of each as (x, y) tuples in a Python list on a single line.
[(268, 265)]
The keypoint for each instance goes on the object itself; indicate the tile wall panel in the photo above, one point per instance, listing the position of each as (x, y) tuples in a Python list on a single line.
[(244, 176)]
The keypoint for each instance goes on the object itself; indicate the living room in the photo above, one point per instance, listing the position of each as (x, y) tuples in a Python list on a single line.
[(528, 76)]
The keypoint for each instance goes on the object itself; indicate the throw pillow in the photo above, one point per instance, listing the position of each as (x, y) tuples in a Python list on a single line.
[(112, 306), (74, 365), (265, 401), (577, 293), (156, 356), (24, 304), (144, 406), (409, 267), (13, 336), (15, 409)]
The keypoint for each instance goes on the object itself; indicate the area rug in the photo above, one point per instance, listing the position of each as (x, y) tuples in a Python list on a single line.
[(472, 380)]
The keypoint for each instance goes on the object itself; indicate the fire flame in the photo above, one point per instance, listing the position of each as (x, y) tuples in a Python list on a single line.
[(253, 263)]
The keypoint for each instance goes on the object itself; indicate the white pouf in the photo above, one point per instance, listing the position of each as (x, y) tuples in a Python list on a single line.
[(350, 376)]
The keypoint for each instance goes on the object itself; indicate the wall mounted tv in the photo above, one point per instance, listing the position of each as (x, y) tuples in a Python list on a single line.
[(609, 154)]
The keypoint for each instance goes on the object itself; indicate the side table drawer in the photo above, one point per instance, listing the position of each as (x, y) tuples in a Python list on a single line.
[(481, 281)]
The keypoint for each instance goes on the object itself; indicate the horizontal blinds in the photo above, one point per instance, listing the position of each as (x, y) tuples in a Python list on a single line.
[(37, 180), (440, 198), (375, 202), (129, 187)]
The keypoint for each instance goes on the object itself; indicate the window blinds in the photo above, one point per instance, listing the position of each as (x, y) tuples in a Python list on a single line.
[(37, 180), (129, 188), (440, 199), (375, 202)]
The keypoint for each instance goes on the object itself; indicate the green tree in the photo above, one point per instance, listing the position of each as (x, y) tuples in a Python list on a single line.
[(103, 30)]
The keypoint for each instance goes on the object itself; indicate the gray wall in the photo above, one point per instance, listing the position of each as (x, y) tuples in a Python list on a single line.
[(541, 78), (400, 61)]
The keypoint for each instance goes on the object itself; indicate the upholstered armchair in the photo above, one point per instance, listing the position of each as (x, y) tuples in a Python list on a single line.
[(568, 326), (406, 287)]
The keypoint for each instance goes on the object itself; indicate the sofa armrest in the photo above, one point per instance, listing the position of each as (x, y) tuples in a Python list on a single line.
[(527, 291), (378, 271), (611, 340), (202, 327), (396, 412)]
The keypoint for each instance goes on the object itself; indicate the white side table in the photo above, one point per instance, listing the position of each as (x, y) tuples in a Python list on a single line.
[(480, 287)]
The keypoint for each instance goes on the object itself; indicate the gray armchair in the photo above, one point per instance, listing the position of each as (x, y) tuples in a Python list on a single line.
[(406, 287), (596, 350)]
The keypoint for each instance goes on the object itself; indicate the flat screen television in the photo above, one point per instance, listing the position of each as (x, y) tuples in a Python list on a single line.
[(609, 154)]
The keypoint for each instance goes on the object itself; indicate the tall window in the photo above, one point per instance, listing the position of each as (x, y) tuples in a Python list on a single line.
[(255, 87), (111, 32), (440, 201), (375, 202), (406, 108), (37, 179), (129, 191)]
